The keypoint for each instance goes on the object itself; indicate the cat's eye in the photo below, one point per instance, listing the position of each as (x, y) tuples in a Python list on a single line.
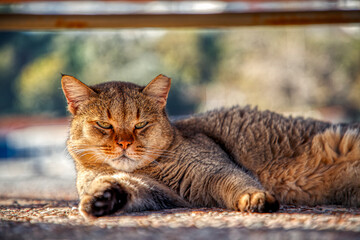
[(140, 125), (104, 125)]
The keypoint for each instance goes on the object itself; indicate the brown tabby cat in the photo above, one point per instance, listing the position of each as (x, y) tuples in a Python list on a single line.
[(130, 157)]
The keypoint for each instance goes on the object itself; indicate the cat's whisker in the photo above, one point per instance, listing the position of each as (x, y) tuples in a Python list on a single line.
[(159, 151), (161, 154), (156, 162), (158, 154), (155, 156), (151, 160), (89, 145), (66, 152), (93, 153), (98, 157)]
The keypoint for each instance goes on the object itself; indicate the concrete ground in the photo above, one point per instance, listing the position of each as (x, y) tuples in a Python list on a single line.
[(40, 202)]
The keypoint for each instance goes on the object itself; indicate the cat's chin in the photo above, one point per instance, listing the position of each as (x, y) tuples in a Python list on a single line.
[(124, 163)]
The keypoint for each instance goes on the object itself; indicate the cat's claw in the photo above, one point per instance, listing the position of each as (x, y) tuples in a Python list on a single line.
[(257, 202)]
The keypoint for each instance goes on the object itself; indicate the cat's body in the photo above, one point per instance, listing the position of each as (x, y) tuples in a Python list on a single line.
[(130, 157), (300, 161)]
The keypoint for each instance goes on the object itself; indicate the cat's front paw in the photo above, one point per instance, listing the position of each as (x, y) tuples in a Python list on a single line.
[(257, 201), (106, 200)]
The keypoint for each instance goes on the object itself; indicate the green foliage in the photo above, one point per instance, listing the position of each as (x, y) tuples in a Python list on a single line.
[(38, 84), (285, 69), (16, 51)]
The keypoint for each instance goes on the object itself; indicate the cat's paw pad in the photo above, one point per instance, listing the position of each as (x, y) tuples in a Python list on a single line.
[(258, 202), (104, 203), (109, 202)]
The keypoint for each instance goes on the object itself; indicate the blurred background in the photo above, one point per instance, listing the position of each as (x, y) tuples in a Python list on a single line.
[(311, 71)]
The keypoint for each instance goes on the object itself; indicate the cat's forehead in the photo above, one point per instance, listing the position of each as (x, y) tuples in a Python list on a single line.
[(117, 92), (112, 89), (122, 100)]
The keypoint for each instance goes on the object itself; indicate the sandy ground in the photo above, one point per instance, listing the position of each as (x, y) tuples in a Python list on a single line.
[(60, 219), (38, 202)]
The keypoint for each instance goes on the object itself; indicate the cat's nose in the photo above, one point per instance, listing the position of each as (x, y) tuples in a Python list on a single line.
[(124, 144)]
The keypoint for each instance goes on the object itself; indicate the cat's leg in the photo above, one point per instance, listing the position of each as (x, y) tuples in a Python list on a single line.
[(240, 191), (327, 173), (126, 192), (105, 196), (210, 178), (313, 182), (346, 184), (340, 159)]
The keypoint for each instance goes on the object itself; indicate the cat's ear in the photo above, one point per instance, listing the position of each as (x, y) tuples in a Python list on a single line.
[(159, 89), (75, 92)]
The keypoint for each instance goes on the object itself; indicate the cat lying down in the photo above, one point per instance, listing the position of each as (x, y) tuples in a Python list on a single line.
[(130, 157)]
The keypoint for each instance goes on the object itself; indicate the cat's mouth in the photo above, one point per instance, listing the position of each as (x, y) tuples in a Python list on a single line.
[(124, 163), (122, 157)]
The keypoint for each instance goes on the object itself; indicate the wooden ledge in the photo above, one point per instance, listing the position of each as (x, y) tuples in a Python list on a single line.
[(24, 21)]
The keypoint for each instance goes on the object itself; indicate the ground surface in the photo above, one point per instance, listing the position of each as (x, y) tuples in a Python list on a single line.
[(39, 202), (59, 219)]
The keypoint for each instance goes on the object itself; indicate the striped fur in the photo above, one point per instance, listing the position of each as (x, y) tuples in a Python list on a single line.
[(239, 158)]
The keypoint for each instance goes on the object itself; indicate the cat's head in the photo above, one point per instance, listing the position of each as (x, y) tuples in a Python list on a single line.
[(118, 123)]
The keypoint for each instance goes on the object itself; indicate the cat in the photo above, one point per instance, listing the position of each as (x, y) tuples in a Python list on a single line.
[(130, 157)]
